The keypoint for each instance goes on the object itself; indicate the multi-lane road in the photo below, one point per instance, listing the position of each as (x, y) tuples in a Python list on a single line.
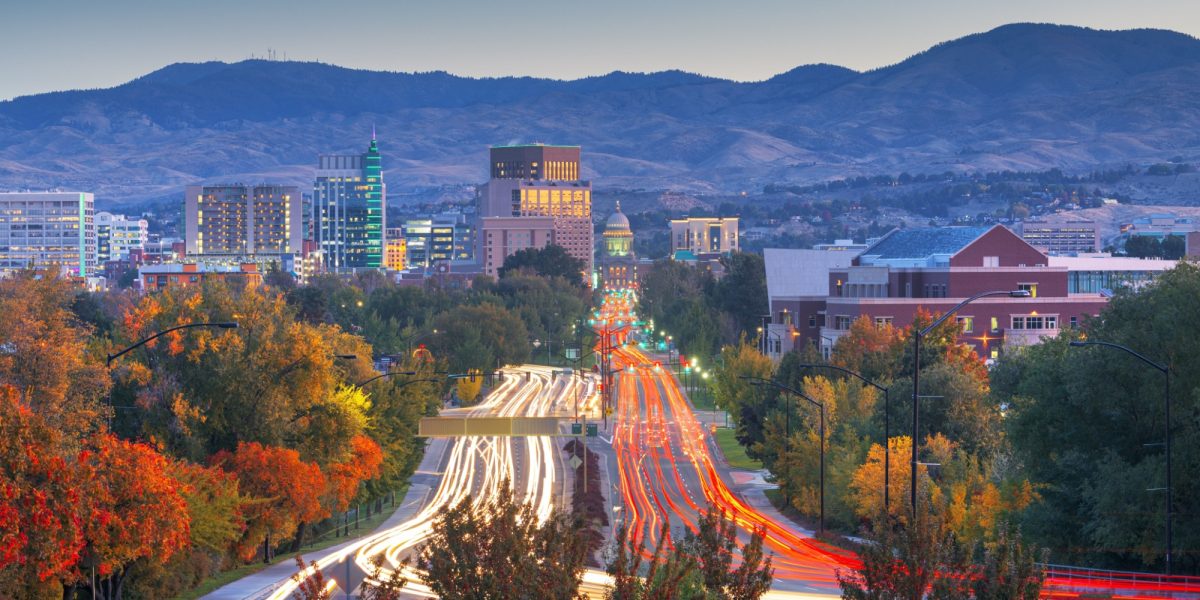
[(663, 467)]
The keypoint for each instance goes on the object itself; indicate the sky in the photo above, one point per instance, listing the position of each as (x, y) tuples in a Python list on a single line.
[(51, 45)]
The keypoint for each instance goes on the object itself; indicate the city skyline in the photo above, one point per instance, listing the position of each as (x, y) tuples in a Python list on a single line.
[(736, 42)]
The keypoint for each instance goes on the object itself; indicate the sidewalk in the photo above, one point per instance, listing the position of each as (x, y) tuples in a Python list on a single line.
[(427, 476)]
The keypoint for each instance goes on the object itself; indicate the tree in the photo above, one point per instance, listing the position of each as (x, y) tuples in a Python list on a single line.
[(384, 583), (1143, 246), (1173, 247), (345, 477), (49, 357), (1086, 427), (712, 547), (907, 562), (133, 509), (287, 492), (550, 261), (742, 292), (310, 582), (500, 549), (700, 567), (1010, 569), (41, 524), (744, 402), (497, 330)]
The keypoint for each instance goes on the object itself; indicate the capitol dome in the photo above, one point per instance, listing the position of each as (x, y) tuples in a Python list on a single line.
[(618, 221), (618, 237)]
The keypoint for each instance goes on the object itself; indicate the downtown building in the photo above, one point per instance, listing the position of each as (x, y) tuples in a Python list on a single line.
[(531, 186), (117, 236), (349, 217), (48, 230), (815, 295), (233, 222)]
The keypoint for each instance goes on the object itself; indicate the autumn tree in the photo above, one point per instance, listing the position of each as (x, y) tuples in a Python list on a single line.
[(744, 402), (310, 582), (384, 583), (41, 524), (133, 509), (49, 357), (287, 492), (500, 549)]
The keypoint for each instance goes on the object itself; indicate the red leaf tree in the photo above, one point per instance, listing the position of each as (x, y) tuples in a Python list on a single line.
[(364, 462), (133, 507), (287, 491)]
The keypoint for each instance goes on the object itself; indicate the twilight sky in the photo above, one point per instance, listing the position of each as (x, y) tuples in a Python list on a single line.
[(67, 44)]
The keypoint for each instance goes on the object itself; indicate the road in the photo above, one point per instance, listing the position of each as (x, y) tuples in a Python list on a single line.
[(667, 468), (476, 467)]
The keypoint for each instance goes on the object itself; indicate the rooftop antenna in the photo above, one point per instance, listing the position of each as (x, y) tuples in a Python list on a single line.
[(372, 132)]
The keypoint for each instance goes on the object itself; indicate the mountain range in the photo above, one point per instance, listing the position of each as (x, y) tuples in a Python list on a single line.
[(1019, 97)]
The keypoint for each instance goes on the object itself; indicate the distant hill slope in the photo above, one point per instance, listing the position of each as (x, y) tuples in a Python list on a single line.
[(1018, 97)]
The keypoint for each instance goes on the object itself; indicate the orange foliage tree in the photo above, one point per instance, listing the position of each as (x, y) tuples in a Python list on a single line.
[(287, 490), (133, 507), (344, 477), (41, 529)]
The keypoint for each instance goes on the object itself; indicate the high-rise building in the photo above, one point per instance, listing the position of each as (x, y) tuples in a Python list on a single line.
[(701, 237), (237, 220), (543, 181), (395, 256), (53, 230), (349, 201), (116, 235), (536, 162)]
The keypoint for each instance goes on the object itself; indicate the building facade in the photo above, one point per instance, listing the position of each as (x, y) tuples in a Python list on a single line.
[(158, 277), (447, 237), (395, 254), (932, 270), (349, 202), (618, 265), (117, 235), (501, 237), (1061, 235), (702, 237), (242, 221), (537, 180), (53, 230)]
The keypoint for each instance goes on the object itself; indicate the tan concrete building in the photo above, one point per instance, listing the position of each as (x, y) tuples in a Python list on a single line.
[(501, 237), (237, 220), (699, 237), (537, 180), (395, 250)]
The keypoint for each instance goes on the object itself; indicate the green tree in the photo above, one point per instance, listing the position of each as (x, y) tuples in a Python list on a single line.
[(742, 292), (550, 261), (908, 562), (501, 550), (1085, 426), (746, 404)]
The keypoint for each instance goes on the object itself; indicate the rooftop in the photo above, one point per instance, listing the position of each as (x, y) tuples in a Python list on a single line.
[(923, 243), (798, 273)]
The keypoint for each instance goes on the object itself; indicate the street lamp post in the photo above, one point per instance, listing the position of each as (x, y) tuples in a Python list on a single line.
[(886, 426), (916, 402), (1165, 370), (820, 433), (112, 357)]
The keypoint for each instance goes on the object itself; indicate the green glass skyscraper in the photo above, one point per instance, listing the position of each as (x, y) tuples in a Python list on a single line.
[(349, 201)]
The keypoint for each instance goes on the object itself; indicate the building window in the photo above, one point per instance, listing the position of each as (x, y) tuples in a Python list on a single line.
[(995, 324), (812, 321), (1074, 321), (841, 322), (991, 261), (967, 323), (1029, 287), (883, 321)]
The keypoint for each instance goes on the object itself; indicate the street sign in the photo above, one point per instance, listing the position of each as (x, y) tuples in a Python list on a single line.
[(576, 428), (592, 430), (573, 353), (574, 462)]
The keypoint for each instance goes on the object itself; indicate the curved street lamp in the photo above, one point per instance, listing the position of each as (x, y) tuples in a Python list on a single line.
[(916, 402), (112, 357), (821, 433), (1165, 370)]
